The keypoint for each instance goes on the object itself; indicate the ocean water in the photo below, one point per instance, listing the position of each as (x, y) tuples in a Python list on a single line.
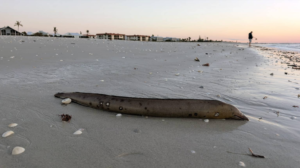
[(283, 46)]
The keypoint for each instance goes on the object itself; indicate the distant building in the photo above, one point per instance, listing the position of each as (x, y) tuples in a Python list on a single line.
[(171, 39), (111, 36), (156, 38), (87, 36), (8, 31), (138, 37)]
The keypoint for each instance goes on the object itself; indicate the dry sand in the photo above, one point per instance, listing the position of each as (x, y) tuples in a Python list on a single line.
[(32, 70)]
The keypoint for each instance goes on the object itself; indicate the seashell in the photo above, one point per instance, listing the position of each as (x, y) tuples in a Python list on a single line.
[(18, 150), (206, 120), (192, 151), (119, 115), (78, 132), (7, 133), (66, 101), (12, 125), (242, 164)]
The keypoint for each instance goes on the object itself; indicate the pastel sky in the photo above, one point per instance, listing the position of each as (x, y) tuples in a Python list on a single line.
[(270, 20)]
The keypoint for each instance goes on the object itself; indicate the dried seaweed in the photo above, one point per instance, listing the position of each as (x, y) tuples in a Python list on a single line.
[(65, 117), (197, 59), (207, 64)]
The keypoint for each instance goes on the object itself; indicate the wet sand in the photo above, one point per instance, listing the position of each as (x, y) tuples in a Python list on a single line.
[(32, 70)]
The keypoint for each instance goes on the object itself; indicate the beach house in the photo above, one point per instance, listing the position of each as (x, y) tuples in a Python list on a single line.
[(138, 37), (111, 36), (8, 31)]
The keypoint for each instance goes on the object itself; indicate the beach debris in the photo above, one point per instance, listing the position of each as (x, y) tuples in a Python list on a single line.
[(17, 150), (65, 117), (197, 59), (12, 57), (207, 64), (242, 164), (66, 101), (177, 74), (218, 95), (198, 44), (254, 155), (119, 115), (78, 132), (12, 125), (193, 152), (217, 114), (201, 87), (286, 73), (206, 53), (265, 97), (271, 74), (277, 112), (206, 120), (7, 133), (295, 106), (298, 95), (293, 117)]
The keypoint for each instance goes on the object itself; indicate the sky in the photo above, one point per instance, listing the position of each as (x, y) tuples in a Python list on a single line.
[(272, 21)]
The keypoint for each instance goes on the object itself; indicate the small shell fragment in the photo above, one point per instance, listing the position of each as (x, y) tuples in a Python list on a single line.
[(119, 115), (18, 150), (242, 164), (206, 120), (12, 125), (7, 133), (66, 101), (78, 132)]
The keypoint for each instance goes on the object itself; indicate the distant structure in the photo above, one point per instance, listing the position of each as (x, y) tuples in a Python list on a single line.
[(111, 36), (138, 37), (87, 36), (173, 39), (8, 31), (157, 38)]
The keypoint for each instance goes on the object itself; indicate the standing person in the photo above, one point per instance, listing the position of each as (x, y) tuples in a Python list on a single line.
[(250, 37)]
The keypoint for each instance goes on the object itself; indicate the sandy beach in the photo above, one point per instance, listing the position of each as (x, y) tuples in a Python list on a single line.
[(33, 69)]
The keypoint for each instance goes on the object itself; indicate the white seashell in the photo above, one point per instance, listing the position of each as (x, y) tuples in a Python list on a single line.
[(12, 125), (177, 74), (206, 120), (193, 151), (12, 57), (78, 132), (242, 164), (18, 150), (66, 101), (119, 115), (7, 133)]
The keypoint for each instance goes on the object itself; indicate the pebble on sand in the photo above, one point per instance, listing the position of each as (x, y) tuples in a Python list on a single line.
[(12, 125), (66, 101), (206, 120), (18, 150), (7, 133), (119, 115)]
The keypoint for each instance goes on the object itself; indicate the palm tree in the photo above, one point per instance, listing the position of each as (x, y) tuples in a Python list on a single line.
[(18, 23), (87, 32), (189, 38), (55, 31)]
